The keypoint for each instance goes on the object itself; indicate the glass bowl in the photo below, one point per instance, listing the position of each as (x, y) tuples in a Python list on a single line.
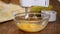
[(31, 22)]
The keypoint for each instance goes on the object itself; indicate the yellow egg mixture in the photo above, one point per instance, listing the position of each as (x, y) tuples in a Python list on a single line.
[(30, 27)]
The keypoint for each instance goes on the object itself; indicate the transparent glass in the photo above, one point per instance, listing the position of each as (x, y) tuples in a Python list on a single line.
[(31, 22)]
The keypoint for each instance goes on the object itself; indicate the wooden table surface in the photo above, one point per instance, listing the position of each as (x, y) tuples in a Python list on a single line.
[(10, 28)]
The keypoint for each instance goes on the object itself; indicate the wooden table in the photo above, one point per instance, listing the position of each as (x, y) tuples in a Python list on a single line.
[(10, 28)]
